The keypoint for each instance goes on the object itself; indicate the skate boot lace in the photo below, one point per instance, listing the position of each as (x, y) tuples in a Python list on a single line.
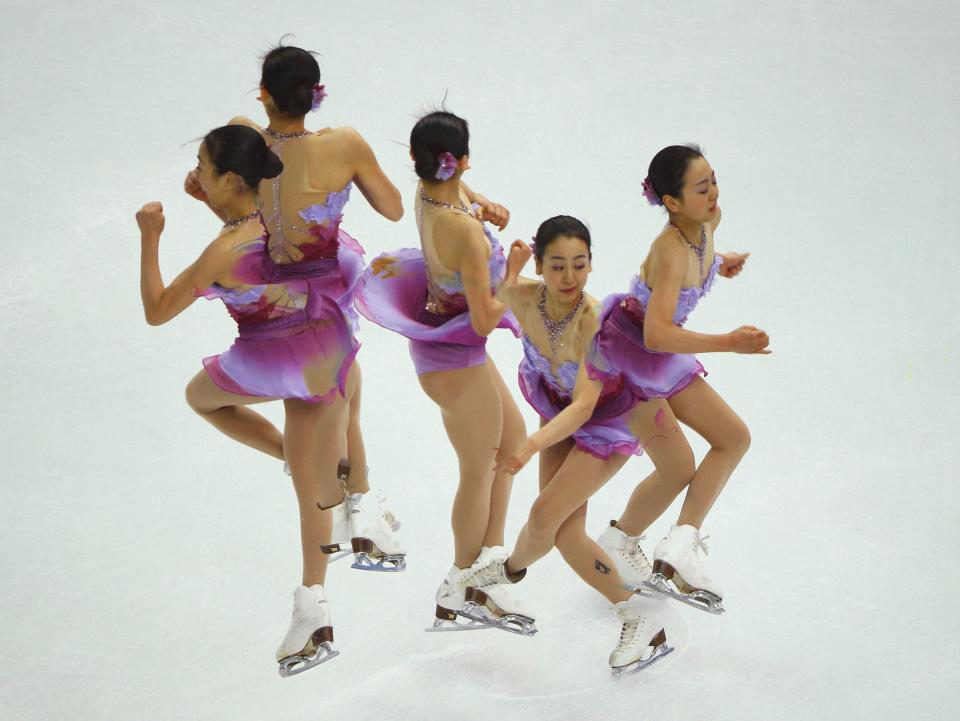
[(634, 554), (628, 633), (698, 543)]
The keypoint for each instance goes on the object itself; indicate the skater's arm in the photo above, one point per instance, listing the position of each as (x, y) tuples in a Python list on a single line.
[(512, 282), (488, 210), (586, 392), (659, 332), (162, 303), (472, 247), (369, 177)]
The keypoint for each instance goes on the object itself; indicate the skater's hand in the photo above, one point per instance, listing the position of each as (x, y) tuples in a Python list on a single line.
[(383, 266), (749, 339), (493, 212), (520, 253), (732, 264), (191, 186), (151, 221), (513, 463)]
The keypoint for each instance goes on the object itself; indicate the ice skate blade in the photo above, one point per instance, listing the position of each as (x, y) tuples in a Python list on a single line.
[(369, 557), (477, 609), (385, 564), (292, 665), (659, 651), (447, 620), (335, 551), (703, 600), (641, 590)]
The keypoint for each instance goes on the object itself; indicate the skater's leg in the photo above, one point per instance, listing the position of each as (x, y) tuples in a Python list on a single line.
[(587, 559), (226, 412), (314, 442), (473, 419), (512, 436), (702, 409), (357, 481), (656, 425), (579, 477)]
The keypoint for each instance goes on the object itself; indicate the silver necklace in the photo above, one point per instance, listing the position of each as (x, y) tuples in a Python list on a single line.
[(556, 328), (234, 223), (285, 136), (443, 204), (698, 249)]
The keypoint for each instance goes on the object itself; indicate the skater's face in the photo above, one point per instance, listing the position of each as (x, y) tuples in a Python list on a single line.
[(217, 187), (698, 199), (565, 267)]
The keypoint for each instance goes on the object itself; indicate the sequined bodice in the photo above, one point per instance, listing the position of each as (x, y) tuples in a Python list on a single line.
[(565, 378), (688, 299)]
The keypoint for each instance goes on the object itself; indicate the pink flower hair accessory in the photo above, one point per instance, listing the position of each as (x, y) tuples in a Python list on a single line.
[(650, 194), (447, 166), (319, 93)]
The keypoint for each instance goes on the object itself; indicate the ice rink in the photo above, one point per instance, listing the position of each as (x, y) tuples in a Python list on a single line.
[(147, 563)]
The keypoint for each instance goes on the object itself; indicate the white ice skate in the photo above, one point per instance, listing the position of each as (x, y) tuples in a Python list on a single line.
[(631, 562), (375, 545), (341, 537), (309, 642), (679, 573), (643, 641), (478, 594)]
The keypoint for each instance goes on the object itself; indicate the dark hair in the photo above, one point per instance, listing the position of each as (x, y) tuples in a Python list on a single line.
[(668, 167), (556, 227), (436, 133), (289, 75), (240, 149)]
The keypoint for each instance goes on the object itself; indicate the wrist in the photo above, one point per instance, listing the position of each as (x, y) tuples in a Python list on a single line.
[(150, 238)]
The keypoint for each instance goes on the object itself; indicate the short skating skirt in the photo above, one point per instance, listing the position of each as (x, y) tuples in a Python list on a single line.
[(305, 355), (395, 298), (618, 350), (606, 432)]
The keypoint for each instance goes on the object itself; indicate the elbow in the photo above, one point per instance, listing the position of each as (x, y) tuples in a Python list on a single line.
[(154, 318), (653, 338), (481, 327)]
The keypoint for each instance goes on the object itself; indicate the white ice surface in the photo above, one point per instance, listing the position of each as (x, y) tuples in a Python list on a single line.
[(147, 563)]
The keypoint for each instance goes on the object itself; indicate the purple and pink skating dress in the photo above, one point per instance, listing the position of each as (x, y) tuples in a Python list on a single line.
[(295, 339), (618, 350), (398, 292)]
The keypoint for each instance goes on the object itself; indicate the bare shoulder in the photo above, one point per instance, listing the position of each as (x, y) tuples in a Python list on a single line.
[(242, 120), (590, 317), (666, 245)]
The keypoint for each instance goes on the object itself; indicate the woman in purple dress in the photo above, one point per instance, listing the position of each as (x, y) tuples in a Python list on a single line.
[(588, 428), (441, 297), (303, 209), (294, 343), (642, 343)]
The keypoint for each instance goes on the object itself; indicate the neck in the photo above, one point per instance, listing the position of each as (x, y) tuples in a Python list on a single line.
[(689, 228), (283, 124), (557, 308), (446, 191), (238, 206)]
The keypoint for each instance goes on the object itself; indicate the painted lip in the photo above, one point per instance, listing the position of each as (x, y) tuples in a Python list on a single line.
[(568, 290), (713, 209)]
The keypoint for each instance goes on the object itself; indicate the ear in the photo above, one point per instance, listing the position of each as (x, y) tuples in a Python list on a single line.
[(539, 267), (671, 204), (263, 96), (464, 163), (412, 156)]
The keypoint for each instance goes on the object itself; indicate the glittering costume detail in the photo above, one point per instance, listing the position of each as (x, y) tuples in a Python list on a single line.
[(315, 246), (618, 350), (294, 341)]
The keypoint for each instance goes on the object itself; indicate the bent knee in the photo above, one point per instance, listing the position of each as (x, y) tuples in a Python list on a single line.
[(736, 439)]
